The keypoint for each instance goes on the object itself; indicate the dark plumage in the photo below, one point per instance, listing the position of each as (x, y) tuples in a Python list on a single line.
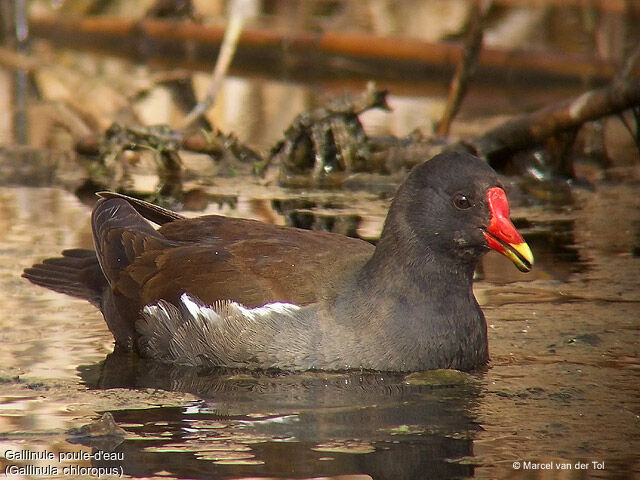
[(187, 292)]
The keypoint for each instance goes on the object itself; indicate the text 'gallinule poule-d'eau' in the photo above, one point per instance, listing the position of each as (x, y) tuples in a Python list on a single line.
[(222, 291)]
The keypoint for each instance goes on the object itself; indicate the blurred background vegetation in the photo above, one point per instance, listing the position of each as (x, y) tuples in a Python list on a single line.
[(84, 80)]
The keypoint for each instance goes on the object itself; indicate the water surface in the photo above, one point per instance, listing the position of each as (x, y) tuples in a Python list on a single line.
[(562, 386)]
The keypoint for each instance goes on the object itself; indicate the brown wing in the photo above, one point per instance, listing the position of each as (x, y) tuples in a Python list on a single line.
[(251, 262), (252, 272), (148, 210), (213, 258), (126, 245)]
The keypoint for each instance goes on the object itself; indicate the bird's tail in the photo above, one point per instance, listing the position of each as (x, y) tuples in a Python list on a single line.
[(76, 273)]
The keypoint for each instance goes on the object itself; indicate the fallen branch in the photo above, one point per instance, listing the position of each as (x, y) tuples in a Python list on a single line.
[(613, 6), (529, 130), (215, 144)]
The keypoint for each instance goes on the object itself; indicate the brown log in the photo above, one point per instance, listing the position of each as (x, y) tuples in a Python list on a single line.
[(614, 6), (384, 54), (529, 130)]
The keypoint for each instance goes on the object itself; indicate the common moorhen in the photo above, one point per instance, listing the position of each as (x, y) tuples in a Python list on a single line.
[(222, 291)]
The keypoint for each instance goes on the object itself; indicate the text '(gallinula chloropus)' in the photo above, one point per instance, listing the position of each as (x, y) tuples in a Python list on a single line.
[(239, 293)]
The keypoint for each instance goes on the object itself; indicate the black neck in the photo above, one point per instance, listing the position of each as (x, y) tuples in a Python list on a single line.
[(400, 258), (418, 306)]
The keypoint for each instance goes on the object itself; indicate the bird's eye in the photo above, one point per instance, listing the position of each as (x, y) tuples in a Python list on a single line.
[(461, 201)]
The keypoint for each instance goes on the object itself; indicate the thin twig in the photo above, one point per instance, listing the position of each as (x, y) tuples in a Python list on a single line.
[(630, 65), (466, 65), (227, 50)]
